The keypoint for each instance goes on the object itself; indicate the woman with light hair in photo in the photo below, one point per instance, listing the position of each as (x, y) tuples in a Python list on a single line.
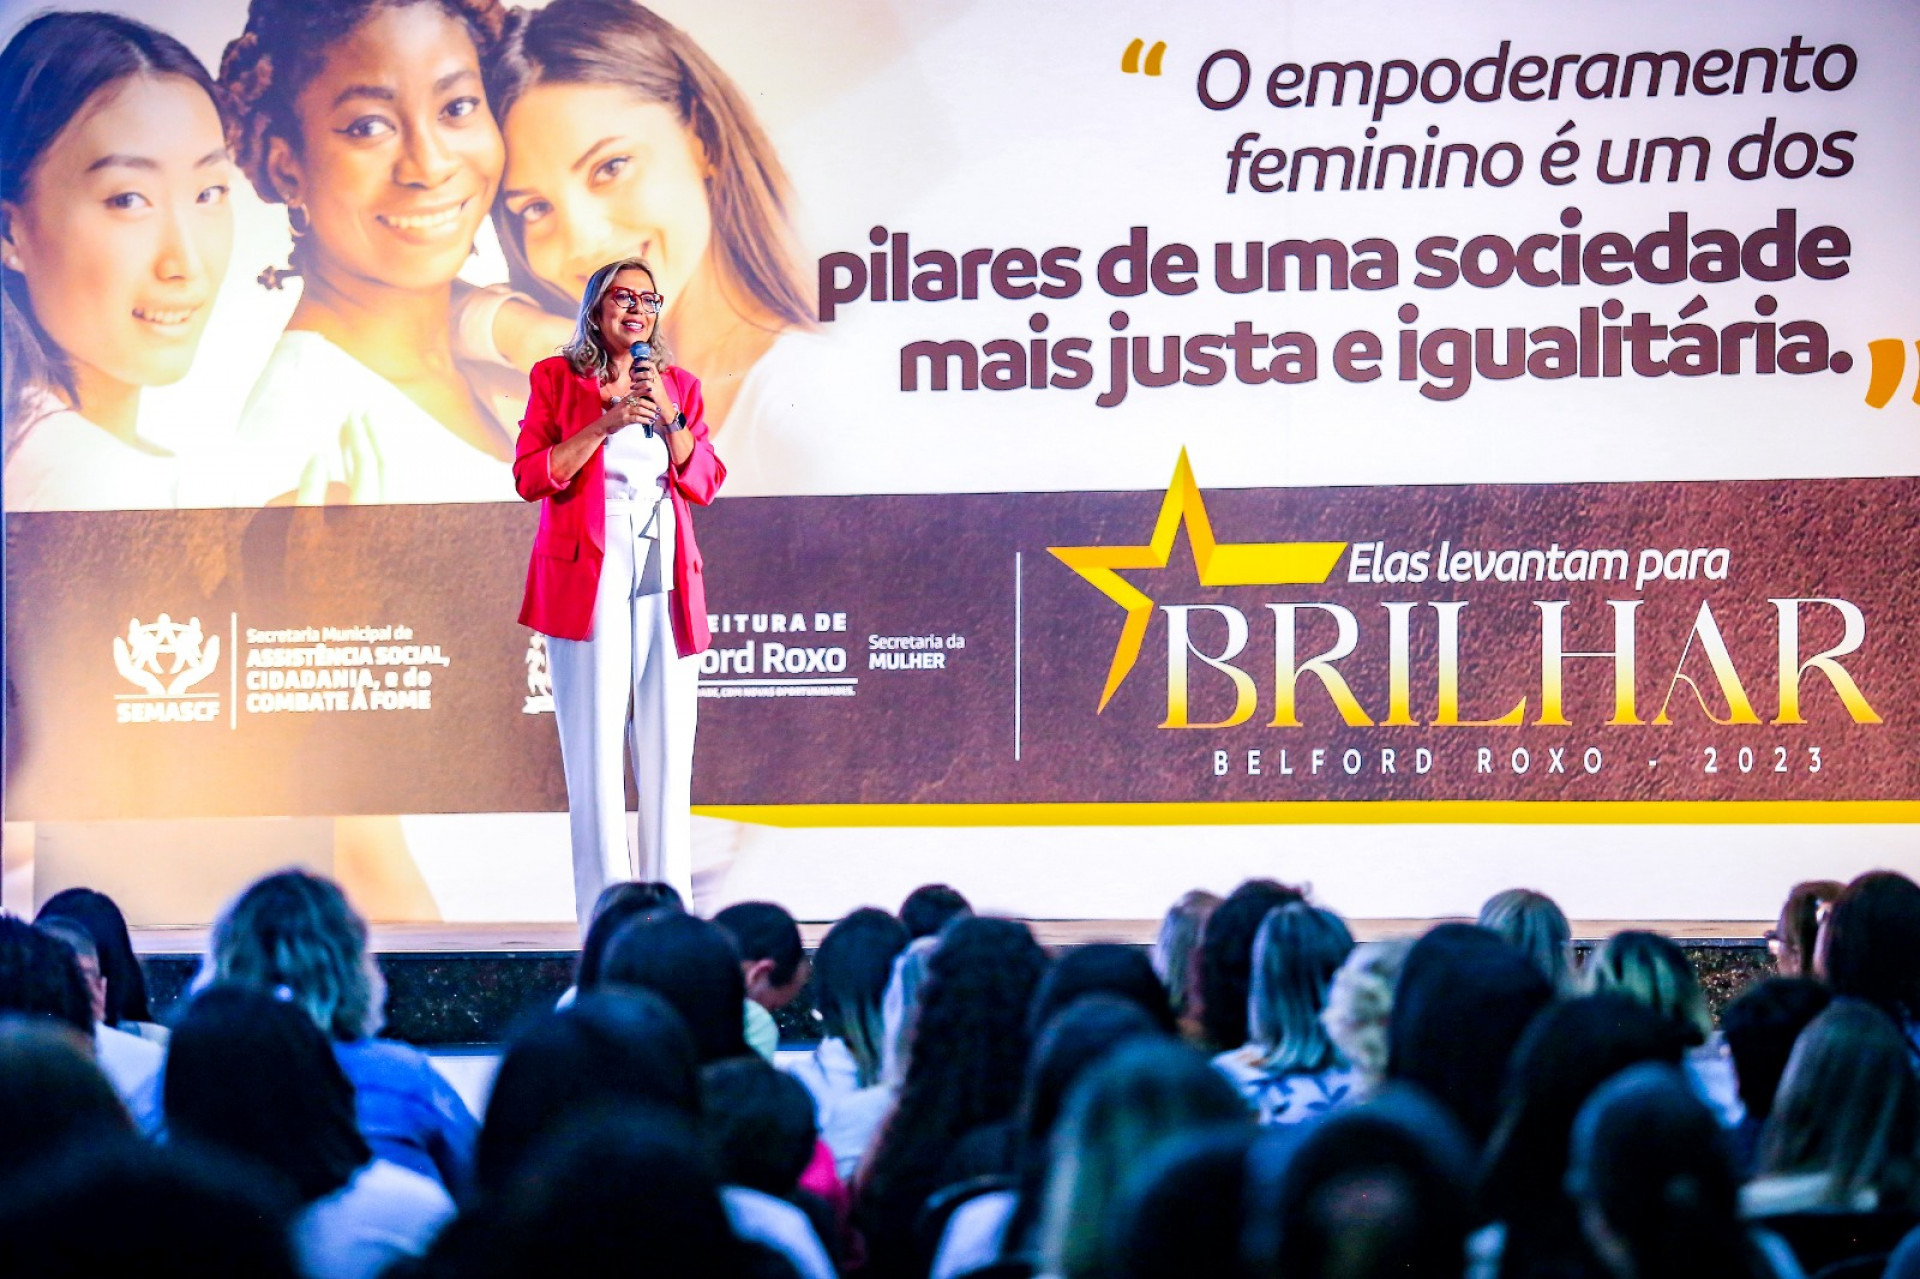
[(295, 936), (624, 138)]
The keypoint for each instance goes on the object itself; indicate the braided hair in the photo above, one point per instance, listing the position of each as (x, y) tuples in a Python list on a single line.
[(285, 45)]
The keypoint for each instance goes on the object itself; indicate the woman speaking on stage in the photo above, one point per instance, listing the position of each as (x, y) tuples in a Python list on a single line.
[(614, 448)]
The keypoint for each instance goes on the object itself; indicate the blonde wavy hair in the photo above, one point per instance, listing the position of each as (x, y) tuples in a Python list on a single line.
[(586, 352)]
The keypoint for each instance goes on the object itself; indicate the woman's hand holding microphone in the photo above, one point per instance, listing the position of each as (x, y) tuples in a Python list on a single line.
[(650, 396)]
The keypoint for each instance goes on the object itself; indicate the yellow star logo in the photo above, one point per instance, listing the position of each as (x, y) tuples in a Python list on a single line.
[(1218, 564)]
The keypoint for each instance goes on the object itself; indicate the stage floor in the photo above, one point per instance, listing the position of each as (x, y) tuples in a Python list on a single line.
[(549, 938)]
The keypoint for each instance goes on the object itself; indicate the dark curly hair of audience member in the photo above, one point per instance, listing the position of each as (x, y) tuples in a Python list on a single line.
[(970, 1045)]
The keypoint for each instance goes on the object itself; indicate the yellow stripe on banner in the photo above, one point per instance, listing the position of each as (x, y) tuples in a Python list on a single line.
[(1442, 812)]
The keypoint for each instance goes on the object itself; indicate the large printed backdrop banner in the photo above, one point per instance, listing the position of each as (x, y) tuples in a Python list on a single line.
[(1420, 415)]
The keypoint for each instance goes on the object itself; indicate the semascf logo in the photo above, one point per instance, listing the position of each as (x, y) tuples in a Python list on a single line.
[(166, 660)]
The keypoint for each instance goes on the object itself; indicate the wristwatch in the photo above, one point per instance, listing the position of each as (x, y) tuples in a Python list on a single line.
[(679, 423)]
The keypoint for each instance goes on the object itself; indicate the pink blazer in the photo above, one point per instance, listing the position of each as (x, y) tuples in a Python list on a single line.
[(564, 575)]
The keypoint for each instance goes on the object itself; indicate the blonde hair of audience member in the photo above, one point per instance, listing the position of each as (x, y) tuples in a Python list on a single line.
[(1359, 1006), (1141, 1095), (1849, 1108), (1176, 949), (297, 932), (1654, 971), (1533, 923), (1295, 955)]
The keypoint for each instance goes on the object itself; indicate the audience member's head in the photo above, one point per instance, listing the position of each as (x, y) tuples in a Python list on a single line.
[(1760, 1028), (1138, 1097), (125, 1208), (1295, 955), (1375, 1192), (1181, 1212), (52, 1094), (850, 974), (689, 963), (617, 905), (1655, 1187), (119, 967), (1535, 924), (252, 1075), (964, 1069), (297, 931), (1178, 945), (1073, 1041), (929, 908), (1654, 971), (615, 1186), (1849, 1109), (1795, 938), (1359, 1007), (1870, 947), (610, 1046), (1464, 999), (1570, 1049), (760, 1124), (40, 977), (86, 954), (1226, 958), (771, 958), (900, 1006), (1105, 969)]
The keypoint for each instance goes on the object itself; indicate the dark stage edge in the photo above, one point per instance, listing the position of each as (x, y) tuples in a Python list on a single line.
[(449, 998)]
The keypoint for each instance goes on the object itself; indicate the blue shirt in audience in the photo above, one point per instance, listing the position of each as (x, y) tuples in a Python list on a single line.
[(409, 1114)]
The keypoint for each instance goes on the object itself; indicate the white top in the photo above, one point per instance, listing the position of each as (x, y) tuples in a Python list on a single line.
[(1288, 1097), (384, 1214), (849, 1115), (760, 1218), (975, 1234), (66, 463), (318, 412), (636, 465), (132, 1065)]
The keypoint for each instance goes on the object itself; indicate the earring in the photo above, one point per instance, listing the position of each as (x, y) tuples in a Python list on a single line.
[(299, 220)]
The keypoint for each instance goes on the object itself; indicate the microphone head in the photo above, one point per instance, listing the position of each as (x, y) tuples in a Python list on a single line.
[(642, 351)]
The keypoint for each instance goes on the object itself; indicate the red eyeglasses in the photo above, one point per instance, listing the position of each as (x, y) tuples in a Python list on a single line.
[(627, 300)]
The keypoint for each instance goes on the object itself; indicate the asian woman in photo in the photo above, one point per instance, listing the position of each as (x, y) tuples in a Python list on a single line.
[(114, 177)]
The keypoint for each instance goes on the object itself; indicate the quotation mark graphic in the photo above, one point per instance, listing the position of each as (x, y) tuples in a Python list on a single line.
[(1130, 60), (1889, 357)]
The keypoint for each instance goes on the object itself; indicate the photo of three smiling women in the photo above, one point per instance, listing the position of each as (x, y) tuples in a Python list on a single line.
[(390, 131)]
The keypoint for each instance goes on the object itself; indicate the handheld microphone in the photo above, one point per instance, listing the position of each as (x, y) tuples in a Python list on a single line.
[(641, 353)]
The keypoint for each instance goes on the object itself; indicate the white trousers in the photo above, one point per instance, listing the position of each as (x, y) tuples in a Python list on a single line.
[(627, 680)]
